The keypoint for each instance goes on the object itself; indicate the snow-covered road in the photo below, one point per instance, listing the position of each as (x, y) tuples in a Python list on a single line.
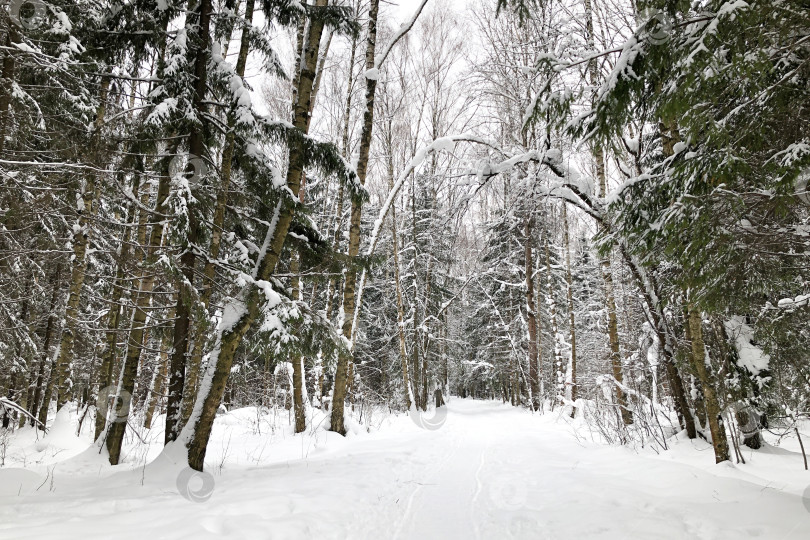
[(490, 472)]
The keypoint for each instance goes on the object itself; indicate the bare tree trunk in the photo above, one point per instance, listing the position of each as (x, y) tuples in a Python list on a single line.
[(610, 304), (445, 382), (417, 372), (699, 403), (11, 393), (423, 323), (21, 396), (699, 364), (538, 321), (322, 55), (144, 286), (613, 339), (425, 393), (403, 354), (299, 380), (299, 376), (607, 273), (321, 369), (341, 373), (649, 289), (337, 221), (679, 395), (299, 372), (25, 391), (46, 399)]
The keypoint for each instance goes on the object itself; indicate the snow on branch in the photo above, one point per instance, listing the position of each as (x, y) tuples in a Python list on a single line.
[(446, 144), (790, 303), (374, 73), (551, 158), (8, 405), (573, 187)]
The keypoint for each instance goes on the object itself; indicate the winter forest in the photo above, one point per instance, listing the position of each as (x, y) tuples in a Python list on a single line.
[(404, 269)]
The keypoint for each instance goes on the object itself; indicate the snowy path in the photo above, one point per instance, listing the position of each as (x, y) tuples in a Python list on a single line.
[(490, 472)]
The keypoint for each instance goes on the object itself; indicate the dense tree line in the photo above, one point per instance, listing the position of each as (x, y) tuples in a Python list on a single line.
[(600, 209)]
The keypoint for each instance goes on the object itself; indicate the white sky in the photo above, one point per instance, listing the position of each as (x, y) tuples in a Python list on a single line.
[(405, 8)]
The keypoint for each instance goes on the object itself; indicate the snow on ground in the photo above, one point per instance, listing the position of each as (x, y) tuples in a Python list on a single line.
[(490, 471)]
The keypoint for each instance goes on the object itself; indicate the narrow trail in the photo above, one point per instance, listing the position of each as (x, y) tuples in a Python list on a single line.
[(500, 473), (489, 472)]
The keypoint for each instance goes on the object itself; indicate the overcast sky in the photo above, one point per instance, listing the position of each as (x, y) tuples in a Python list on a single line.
[(406, 8)]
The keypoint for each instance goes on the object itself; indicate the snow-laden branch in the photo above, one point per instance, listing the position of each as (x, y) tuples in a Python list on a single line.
[(790, 303), (448, 303), (573, 193), (572, 188), (374, 73), (8, 405), (441, 144), (550, 158)]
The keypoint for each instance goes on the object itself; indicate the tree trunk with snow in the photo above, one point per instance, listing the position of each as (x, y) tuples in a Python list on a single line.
[(350, 280), (156, 389), (531, 316), (209, 271), (559, 378), (185, 289), (572, 375), (242, 311), (80, 242), (143, 286)]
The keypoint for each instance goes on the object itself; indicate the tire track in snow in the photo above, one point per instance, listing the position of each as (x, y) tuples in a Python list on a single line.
[(478, 487), (409, 516)]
